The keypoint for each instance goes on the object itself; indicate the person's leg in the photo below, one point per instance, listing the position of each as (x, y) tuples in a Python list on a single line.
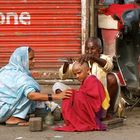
[(20, 112), (23, 108), (57, 88), (112, 86)]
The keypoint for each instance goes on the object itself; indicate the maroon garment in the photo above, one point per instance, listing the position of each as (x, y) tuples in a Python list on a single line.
[(83, 111)]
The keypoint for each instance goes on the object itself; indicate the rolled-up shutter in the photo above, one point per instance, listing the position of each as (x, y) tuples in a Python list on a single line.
[(51, 27)]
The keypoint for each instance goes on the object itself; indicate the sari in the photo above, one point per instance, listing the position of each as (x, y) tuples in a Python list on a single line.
[(15, 84)]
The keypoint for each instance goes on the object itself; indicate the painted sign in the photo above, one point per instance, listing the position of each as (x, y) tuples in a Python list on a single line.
[(22, 18)]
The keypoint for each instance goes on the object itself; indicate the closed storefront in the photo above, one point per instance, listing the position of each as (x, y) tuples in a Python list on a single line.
[(50, 27)]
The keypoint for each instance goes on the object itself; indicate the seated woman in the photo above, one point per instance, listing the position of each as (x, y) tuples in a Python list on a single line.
[(18, 89), (86, 107)]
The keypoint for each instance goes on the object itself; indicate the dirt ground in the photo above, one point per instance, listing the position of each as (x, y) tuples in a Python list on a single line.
[(129, 131)]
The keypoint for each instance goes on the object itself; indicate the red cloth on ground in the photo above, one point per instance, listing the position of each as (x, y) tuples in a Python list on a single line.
[(83, 111)]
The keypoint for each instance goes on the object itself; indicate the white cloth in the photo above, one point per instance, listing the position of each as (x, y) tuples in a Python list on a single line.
[(52, 105), (60, 86)]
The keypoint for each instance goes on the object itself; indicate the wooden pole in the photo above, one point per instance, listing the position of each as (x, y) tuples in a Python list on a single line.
[(93, 18)]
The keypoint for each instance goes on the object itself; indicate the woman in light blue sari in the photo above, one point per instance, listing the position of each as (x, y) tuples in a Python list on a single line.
[(18, 90)]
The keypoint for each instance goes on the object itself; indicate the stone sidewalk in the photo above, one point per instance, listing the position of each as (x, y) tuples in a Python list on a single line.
[(129, 131)]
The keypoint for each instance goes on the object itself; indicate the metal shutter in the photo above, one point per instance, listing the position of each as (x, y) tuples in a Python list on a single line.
[(51, 27)]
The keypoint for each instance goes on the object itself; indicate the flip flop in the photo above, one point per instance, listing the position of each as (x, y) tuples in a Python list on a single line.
[(18, 124)]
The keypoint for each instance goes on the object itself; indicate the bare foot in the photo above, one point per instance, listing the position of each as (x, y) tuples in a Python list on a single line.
[(15, 120)]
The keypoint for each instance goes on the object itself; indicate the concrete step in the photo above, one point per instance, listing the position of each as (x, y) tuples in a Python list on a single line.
[(47, 78), (46, 85), (45, 74)]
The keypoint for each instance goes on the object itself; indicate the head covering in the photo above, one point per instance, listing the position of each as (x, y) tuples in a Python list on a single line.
[(16, 82), (19, 60), (16, 73)]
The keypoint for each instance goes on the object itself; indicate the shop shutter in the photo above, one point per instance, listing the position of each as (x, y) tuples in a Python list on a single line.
[(51, 27)]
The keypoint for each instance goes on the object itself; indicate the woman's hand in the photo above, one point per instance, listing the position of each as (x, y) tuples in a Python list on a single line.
[(63, 95)]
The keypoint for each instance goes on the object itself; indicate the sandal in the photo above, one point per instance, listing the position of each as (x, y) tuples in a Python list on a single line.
[(13, 121), (24, 123)]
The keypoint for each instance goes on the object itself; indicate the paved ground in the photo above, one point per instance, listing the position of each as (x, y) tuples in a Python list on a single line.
[(130, 131)]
